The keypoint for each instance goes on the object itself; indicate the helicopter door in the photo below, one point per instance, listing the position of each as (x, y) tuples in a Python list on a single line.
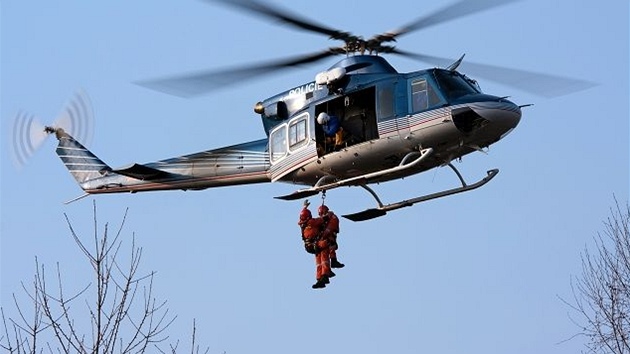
[(291, 146), (391, 104)]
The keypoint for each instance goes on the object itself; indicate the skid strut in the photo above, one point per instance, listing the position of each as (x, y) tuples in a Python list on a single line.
[(328, 182), (383, 209), (410, 160)]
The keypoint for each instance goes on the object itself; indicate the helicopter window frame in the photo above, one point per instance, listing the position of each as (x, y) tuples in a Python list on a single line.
[(419, 95), (298, 133), (278, 147), (386, 101), (422, 95)]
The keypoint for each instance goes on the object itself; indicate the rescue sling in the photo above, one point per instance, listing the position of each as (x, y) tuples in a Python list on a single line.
[(311, 247)]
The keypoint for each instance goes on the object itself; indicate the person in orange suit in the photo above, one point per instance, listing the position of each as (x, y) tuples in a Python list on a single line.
[(331, 229), (315, 243)]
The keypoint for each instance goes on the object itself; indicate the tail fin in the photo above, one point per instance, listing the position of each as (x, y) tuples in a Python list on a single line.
[(80, 161)]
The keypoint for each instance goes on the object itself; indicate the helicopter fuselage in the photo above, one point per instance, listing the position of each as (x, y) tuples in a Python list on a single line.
[(387, 118)]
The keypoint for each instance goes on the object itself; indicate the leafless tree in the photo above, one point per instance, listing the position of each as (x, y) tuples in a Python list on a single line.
[(116, 313), (602, 293)]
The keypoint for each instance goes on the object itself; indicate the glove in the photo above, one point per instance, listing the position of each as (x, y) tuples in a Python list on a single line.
[(306, 203)]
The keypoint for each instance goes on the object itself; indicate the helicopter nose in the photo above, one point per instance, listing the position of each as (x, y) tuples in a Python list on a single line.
[(504, 115), (494, 117)]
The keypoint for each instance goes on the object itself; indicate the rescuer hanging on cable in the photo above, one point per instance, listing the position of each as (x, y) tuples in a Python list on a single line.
[(314, 243), (331, 229)]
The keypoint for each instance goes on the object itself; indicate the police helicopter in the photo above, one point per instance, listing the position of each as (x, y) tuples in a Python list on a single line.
[(389, 125)]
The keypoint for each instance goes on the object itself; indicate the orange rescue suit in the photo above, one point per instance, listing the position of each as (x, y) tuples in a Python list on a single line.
[(314, 242), (330, 232)]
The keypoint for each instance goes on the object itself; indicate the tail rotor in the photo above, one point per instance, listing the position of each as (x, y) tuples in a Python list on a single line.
[(28, 136), (29, 133)]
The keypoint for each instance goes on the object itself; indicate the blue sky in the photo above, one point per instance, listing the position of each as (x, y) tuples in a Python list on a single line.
[(482, 271)]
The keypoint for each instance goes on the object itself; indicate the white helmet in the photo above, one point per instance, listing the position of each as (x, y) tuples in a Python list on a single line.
[(323, 118)]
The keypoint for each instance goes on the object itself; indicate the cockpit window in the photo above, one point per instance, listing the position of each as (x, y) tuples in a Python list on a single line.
[(423, 95), (453, 85)]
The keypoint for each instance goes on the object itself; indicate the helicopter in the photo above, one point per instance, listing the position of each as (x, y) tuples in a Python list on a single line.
[(392, 124)]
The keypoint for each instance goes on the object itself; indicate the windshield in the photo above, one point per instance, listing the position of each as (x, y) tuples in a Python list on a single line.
[(453, 85)]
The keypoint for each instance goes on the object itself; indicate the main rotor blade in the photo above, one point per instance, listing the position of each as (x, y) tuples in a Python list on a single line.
[(448, 13), (260, 8), (539, 84), (201, 82)]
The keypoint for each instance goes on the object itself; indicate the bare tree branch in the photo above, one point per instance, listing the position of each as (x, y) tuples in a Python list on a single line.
[(119, 306), (601, 296)]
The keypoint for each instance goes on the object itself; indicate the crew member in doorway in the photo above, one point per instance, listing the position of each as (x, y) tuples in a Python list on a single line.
[(315, 243), (332, 129), (331, 229)]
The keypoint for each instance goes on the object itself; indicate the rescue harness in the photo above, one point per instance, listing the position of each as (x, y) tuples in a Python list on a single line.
[(310, 243)]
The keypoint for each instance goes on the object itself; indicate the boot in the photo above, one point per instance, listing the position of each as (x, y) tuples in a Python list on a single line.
[(334, 263), (331, 274), (320, 284)]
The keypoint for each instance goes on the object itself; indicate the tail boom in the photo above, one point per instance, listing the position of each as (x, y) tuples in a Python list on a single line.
[(239, 164)]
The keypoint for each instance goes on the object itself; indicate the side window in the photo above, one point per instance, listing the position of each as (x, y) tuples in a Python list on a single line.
[(297, 133), (419, 95), (422, 95), (385, 101), (278, 143)]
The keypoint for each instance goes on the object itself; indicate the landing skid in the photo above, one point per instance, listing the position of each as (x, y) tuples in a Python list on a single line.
[(410, 160), (383, 209)]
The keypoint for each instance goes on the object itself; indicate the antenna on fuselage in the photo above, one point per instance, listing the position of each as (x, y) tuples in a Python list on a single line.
[(456, 64)]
